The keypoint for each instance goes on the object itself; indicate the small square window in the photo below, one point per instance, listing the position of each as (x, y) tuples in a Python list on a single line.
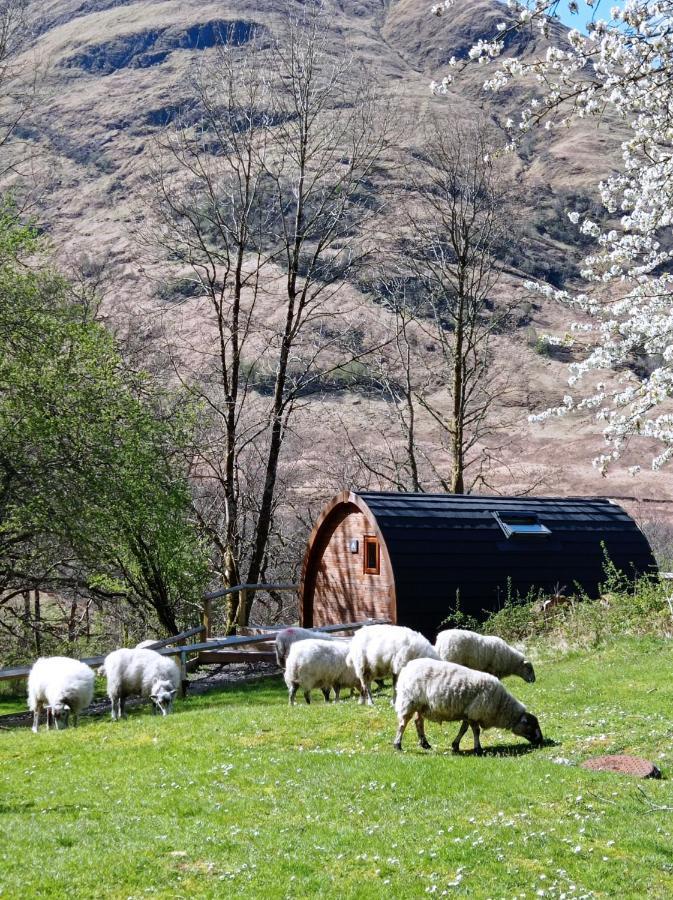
[(512, 524), (372, 560)]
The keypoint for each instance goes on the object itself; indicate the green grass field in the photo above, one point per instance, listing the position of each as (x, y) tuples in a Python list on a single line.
[(238, 795)]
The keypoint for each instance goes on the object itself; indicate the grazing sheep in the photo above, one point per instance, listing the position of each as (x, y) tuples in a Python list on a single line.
[(381, 650), (446, 692), (63, 686), (289, 636), (482, 652), (143, 672), (318, 664)]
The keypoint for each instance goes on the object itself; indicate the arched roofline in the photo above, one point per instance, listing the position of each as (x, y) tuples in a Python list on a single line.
[(341, 502)]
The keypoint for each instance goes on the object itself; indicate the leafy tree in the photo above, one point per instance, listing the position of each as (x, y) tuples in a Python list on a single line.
[(92, 495)]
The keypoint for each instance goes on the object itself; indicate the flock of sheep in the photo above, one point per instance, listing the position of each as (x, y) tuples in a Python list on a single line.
[(64, 686), (457, 679)]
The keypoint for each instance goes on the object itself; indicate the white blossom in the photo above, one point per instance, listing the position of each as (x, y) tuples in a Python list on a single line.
[(629, 295)]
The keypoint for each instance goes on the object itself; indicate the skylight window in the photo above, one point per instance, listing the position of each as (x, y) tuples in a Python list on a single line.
[(512, 524)]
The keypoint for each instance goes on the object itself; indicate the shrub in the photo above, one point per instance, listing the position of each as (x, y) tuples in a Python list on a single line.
[(577, 621)]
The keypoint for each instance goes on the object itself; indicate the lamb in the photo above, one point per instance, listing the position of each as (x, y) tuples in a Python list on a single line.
[(62, 685), (143, 672), (446, 692), (482, 652), (321, 664), (381, 650), (288, 636)]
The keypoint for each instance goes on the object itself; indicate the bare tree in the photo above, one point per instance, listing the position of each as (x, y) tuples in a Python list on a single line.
[(260, 196), (442, 374)]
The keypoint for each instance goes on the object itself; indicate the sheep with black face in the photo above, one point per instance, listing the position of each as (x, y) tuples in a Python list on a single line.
[(446, 692)]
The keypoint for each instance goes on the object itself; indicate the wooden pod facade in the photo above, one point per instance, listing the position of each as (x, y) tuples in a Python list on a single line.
[(409, 557)]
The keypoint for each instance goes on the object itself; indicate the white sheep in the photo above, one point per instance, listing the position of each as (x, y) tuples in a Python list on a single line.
[(61, 685), (483, 652), (381, 650), (446, 692), (144, 672), (318, 664), (289, 636)]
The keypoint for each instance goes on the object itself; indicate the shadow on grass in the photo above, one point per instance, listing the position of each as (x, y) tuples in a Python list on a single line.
[(517, 749), (19, 807), (494, 750)]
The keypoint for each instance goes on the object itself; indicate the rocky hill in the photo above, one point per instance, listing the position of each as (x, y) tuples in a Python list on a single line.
[(115, 72)]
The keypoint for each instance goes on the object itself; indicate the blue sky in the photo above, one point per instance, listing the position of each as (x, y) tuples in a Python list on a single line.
[(601, 10)]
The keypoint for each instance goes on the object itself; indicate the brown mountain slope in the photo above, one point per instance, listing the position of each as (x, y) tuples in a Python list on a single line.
[(116, 71)]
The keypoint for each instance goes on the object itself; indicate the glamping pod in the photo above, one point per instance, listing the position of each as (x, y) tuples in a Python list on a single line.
[(409, 556)]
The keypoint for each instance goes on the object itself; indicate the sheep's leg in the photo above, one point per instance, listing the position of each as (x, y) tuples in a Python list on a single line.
[(464, 725), (293, 693), (50, 718), (420, 730), (122, 707), (325, 693), (477, 744), (36, 718), (392, 702), (307, 696), (365, 693), (403, 721), (337, 692)]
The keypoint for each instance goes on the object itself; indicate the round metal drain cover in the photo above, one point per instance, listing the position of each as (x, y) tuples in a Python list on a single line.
[(624, 765)]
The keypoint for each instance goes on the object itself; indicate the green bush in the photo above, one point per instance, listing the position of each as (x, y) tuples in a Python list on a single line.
[(577, 621)]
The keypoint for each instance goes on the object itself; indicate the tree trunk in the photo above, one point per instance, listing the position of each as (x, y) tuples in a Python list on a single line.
[(37, 623), (457, 448)]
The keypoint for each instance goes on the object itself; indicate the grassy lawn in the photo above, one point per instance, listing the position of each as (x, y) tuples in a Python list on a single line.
[(13, 702), (238, 795)]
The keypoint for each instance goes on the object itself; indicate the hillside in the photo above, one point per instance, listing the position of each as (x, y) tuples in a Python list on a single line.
[(117, 71)]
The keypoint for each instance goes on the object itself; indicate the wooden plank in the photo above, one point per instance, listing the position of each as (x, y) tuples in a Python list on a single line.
[(227, 657), (215, 595), (176, 638)]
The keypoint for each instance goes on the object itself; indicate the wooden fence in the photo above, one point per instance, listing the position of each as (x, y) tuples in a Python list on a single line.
[(211, 650), (242, 590)]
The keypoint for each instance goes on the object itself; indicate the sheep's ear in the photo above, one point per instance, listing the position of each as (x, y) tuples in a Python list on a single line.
[(66, 707), (174, 692), (153, 697)]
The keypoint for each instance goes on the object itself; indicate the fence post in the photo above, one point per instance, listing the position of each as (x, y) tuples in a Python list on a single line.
[(242, 603), (206, 617), (183, 674)]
